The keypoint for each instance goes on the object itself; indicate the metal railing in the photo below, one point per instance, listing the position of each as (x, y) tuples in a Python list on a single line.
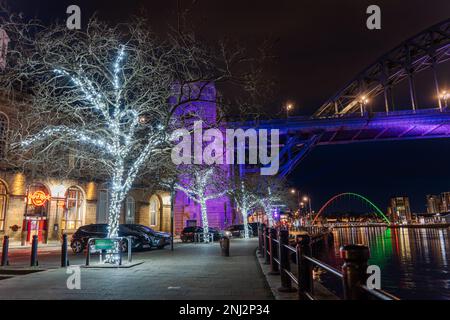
[(277, 252), (118, 239), (200, 237)]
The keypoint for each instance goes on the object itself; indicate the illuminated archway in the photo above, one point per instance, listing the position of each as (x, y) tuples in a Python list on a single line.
[(377, 210)]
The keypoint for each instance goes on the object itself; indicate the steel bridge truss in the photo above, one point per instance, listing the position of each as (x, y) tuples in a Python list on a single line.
[(423, 51)]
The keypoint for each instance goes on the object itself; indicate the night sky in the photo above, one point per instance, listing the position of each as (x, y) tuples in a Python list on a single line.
[(320, 45)]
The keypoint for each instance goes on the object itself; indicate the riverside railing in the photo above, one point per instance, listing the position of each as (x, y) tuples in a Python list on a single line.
[(277, 252)]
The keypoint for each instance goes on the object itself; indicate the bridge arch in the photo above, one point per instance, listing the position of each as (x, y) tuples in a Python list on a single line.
[(377, 210)]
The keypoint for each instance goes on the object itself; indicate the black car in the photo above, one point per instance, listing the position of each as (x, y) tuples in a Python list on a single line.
[(188, 233), (157, 239), (237, 230), (139, 239)]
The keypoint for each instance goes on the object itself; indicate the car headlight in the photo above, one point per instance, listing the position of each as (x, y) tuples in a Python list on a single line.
[(228, 233)]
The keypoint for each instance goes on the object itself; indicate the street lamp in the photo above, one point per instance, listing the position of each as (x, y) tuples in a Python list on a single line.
[(444, 97), (308, 199), (363, 101), (289, 107)]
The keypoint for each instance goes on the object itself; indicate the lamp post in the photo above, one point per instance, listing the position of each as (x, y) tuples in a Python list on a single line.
[(289, 107), (363, 101), (444, 97)]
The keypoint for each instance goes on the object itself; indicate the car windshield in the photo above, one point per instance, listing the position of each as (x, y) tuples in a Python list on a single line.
[(141, 228)]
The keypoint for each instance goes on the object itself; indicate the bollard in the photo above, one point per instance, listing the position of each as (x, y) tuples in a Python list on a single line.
[(354, 269), (64, 258), (266, 245), (304, 268), (34, 252), (88, 253), (5, 261), (285, 264), (225, 246), (273, 249)]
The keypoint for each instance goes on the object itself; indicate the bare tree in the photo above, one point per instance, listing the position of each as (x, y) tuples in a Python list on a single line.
[(244, 192), (272, 195), (202, 184), (102, 102)]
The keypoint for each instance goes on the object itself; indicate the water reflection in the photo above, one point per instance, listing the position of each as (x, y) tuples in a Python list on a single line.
[(414, 263)]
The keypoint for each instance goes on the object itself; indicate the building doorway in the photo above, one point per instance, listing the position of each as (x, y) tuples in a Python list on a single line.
[(36, 213)]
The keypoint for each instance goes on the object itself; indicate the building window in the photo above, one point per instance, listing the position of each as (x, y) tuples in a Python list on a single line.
[(3, 198), (102, 207), (130, 210), (154, 208), (73, 209), (3, 132)]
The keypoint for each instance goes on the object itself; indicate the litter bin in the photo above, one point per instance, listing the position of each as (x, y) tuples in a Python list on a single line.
[(225, 246)]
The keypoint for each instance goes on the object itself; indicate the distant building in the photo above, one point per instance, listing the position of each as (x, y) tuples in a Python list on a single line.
[(399, 209), (434, 203), (445, 202)]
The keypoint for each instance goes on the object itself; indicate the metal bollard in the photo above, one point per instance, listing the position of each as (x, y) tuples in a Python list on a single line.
[(266, 246), (304, 268), (88, 253), (5, 260), (274, 269), (34, 252), (285, 264), (225, 246), (64, 258), (354, 269)]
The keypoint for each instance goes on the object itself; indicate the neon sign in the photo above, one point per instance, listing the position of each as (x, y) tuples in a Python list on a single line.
[(39, 198)]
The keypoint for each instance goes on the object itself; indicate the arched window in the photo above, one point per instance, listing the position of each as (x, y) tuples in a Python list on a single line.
[(73, 209), (102, 206), (130, 209), (3, 198), (3, 132), (154, 209)]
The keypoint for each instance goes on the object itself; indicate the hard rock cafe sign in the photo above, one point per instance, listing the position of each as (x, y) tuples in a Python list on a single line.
[(39, 198)]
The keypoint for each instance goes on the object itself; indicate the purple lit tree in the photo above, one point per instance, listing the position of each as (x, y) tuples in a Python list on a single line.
[(202, 184)]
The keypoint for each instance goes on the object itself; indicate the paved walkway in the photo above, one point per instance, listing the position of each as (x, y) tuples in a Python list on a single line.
[(192, 271)]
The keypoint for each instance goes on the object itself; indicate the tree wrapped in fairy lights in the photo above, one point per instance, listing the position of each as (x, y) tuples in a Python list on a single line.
[(100, 103), (203, 183), (271, 194), (244, 192)]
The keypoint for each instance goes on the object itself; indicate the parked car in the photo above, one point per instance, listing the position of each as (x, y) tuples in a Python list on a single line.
[(188, 233), (79, 240), (237, 230), (157, 239)]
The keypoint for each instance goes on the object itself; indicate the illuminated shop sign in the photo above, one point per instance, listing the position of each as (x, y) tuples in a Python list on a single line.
[(38, 198)]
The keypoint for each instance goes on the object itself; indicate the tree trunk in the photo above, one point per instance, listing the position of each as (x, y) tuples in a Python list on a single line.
[(245, 220), (205, 221)]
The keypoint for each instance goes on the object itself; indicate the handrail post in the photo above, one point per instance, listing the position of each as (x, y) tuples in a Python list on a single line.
[(34, 252), (285, 264), (354, 270), (261, 239), (5, 251), (274, 269), (64, 258), (266, 245), (305, 277)]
